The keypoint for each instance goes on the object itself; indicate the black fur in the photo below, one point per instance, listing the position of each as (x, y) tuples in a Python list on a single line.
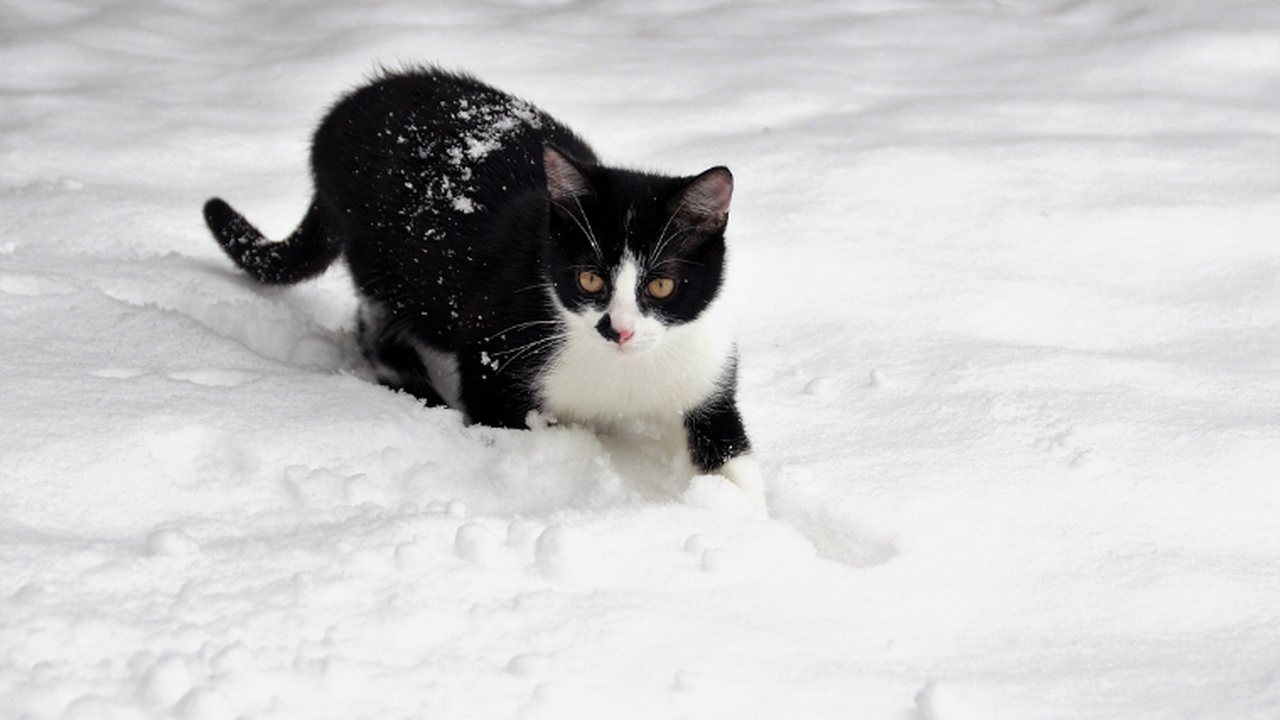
[(306, 253), (715, 431)]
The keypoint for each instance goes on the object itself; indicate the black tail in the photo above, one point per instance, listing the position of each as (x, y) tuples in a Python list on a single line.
[(304, 254)]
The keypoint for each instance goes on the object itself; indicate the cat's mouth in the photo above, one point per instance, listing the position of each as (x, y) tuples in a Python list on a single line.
[(626, 341), (635, 345)]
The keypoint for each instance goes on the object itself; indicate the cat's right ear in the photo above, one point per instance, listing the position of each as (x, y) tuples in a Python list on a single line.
[(565, 180), (704, 201)]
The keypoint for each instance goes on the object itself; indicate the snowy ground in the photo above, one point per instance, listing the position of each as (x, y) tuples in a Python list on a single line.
[(1008, 287)]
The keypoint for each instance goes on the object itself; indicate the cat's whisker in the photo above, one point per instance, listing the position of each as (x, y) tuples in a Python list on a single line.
[(528, 348), (676, 261), (521, 348), (520, 326), (667, 240), (591, 235), (586, 229), (663, 238)]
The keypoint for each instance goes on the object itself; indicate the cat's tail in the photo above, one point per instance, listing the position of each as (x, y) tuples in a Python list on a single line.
[(304, 254)]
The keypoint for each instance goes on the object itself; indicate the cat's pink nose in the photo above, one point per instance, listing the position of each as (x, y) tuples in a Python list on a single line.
[(624, 335)]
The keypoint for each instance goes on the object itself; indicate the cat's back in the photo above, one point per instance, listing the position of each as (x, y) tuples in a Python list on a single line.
[(426, 138), (419, 99), (435, 184)]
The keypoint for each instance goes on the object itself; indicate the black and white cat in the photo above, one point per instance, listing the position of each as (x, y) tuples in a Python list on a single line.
[(503, 271)]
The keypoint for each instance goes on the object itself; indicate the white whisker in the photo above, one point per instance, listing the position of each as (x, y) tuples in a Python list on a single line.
[(526, 349), (663, 237), (591, 235), (521, 326)]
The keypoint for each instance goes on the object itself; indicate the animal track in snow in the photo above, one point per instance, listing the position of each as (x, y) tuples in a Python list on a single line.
[(168, 542), (529, 665), (837, 536), (204, 704), (165, 682), (565, 553), (477, 543), (1066, 446)]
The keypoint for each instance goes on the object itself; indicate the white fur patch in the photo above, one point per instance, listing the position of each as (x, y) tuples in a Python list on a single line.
[(624, 313), (442, 368), (744, 472), (666, 372)]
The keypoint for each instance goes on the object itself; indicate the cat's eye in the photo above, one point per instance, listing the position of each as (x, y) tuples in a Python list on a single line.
[(590, 282), (661, 288)]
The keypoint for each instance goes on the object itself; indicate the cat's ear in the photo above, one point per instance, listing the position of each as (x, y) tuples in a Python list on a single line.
[(704, 200), (564, 180)]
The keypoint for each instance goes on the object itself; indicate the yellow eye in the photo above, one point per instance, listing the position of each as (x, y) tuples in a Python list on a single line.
[(590, 282), (661, 287)]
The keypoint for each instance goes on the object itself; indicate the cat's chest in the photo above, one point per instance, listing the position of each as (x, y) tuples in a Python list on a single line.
[(591, 382)]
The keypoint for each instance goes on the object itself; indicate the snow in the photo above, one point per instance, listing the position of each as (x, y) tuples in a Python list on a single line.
[(1008, 298)]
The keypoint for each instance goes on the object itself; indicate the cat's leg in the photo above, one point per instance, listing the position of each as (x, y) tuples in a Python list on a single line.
[(718, 444), (491, 395), (396, 363), (400, 366)]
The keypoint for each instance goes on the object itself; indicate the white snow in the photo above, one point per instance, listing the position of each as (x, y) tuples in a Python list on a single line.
[(1007, 281)]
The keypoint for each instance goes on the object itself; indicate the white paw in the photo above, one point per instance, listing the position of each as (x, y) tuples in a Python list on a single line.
[(744, 472)]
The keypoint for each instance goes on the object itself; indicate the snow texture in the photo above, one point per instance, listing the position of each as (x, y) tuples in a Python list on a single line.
[(1007, 286)]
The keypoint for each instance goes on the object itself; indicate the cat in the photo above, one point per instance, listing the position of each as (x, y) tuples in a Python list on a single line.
[(503, 271)]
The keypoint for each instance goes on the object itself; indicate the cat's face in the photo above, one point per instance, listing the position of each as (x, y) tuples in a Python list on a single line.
[(630, 255)]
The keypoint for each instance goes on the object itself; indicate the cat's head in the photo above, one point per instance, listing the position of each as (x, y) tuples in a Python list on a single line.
[(632, 255)]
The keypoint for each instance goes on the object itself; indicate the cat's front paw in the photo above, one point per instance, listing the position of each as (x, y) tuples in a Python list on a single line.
[(744, 472)]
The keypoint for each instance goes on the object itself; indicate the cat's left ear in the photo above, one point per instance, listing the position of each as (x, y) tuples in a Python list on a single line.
[(704, 200), (564, 180)]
